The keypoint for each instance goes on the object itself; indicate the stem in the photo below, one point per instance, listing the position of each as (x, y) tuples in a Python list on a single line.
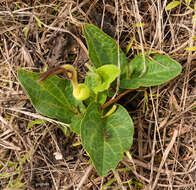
[(112, 101), (71, 74)]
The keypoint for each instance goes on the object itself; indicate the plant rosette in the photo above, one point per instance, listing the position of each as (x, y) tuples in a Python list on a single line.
[(105, 134)]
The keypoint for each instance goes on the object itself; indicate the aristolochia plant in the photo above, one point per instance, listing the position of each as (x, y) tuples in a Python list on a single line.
[(105, 133)]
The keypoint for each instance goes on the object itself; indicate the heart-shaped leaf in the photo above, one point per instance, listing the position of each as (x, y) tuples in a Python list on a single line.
[(159, 70), (51, 97), (75, 124), (108, 74), (105, 139), (102, 97), (93, 80), (102, 48), (100, 79)]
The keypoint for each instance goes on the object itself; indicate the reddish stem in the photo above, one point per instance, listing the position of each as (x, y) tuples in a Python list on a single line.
[(112, 101)]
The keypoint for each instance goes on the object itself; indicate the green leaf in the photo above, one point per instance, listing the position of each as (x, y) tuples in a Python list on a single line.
[(64, 129), (100, 79), (75, 124), (129, 45), (102, 97), (108, 74), (35, 122), (102, 48), (38, 21), (105, 139), (93, 80), (25, 30), (194, 18), (139, 25), (172, 5), (194, 37), (159, 70), (51, 97), (193, 48), (187, 2)]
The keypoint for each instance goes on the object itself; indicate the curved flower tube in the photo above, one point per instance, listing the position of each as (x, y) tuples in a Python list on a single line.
[(80, 91)]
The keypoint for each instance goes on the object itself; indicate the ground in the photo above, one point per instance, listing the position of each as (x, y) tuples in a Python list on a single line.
[(42, 34)]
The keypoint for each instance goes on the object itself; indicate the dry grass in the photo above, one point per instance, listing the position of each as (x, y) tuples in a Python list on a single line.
[(164, 149)]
